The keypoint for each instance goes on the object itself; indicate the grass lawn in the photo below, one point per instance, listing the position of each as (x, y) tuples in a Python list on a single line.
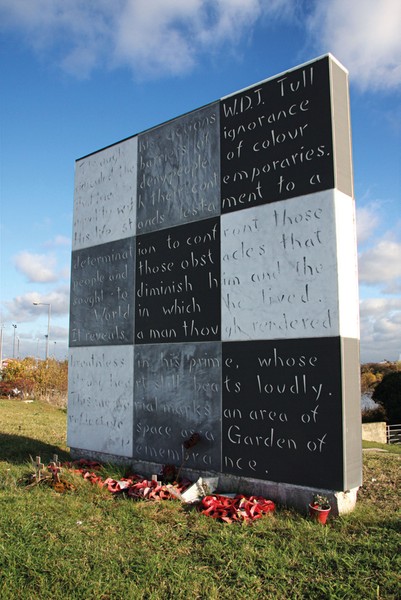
[(88, 544)]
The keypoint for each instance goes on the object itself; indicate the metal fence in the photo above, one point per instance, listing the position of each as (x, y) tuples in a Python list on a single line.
[(394, 434)]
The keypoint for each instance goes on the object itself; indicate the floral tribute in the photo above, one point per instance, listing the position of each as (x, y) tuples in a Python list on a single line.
[(224, 508), (239, 508), (134, 486)]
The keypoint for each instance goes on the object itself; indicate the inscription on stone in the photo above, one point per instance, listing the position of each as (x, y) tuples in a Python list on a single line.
[(276, 140), (178, 393), (177, 294), (179, 171), (282, 411), (213, 289), (279, 270), (102, 294), (100, 383), (105, 195)]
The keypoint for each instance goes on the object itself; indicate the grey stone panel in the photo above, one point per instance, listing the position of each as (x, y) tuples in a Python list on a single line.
[(102, 294), (177, 392), (179, 171)]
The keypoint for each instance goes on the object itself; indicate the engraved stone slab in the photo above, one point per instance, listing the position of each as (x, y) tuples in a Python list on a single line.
[(282, 408), (279, 270), (178, 393), (178, 284), (179, 171), (277, 138), (105, 195), (100, 404), (102, 294), (214, 289)]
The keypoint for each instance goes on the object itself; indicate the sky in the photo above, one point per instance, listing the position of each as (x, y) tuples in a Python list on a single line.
[(80, 75)]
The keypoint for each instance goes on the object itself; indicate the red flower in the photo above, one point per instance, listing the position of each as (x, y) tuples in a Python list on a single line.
[(192, 441)]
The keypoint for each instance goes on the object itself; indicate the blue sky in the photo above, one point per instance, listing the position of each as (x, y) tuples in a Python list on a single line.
[(79, 75)]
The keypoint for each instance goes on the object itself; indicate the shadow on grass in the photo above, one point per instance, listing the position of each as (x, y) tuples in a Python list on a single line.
[(18, 449), (394, 524)]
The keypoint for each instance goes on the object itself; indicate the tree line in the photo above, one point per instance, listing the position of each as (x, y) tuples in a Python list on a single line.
[(382, 381), (32, 378)]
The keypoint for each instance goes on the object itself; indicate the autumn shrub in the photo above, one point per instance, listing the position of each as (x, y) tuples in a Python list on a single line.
[(45, 380), (388, 395), (9, 389), (373, 373), (368, 381), (374, 415)]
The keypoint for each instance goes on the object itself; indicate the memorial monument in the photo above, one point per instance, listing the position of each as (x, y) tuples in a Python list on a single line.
[(214, 291)]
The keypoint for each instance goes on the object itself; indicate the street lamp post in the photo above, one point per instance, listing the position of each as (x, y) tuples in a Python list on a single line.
[(1, 346), (15, 327), (48, 323)]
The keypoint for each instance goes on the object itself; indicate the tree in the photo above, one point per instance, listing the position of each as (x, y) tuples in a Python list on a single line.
[(368, 380), (388, 394), (47, 379)]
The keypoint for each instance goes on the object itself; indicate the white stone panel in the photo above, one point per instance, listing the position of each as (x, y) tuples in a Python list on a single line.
[(105, 195), (100, 403), (279, 276), (347, 263)]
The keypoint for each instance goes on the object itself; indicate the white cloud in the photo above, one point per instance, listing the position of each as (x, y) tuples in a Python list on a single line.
[(38, 268), (393, 287), (152, 37), (364, 35), (367, 220), (167, 37), (160, 37), (380, 329), (82, 31), (43, 268), (380, 270), (59, 300), (21, 309), (380, 264), (379, 307), (57, 241), (156, 37), (22, 312)]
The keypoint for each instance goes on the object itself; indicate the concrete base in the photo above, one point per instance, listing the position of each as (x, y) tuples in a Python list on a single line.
[(374, 432), (283, 494)]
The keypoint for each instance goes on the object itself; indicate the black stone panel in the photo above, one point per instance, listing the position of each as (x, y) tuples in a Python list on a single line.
[(178, 284), (282, 411), (276, 139)]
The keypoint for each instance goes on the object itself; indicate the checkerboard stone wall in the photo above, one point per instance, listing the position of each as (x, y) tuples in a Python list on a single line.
[(214, 289)]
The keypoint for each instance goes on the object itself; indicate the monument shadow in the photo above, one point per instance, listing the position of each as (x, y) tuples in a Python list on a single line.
[(18, 449)]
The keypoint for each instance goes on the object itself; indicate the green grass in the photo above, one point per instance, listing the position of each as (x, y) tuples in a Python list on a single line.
[(393, 448), (88, 544)]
